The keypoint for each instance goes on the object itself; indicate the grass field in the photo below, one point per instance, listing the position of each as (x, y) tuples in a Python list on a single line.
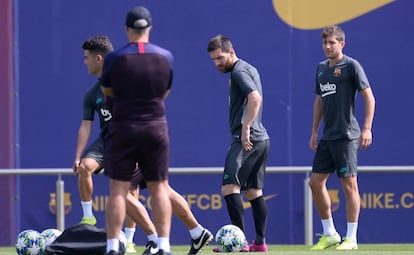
[(374, 249)]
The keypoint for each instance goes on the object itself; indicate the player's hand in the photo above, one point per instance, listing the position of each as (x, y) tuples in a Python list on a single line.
[(313, 142), (75, 166), (366, 138), (245, 138)]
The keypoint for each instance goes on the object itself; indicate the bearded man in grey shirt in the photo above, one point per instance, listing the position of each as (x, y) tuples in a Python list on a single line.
[(247, 157)]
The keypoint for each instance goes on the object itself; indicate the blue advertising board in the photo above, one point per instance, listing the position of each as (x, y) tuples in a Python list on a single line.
[(283, 193), (281, 39)]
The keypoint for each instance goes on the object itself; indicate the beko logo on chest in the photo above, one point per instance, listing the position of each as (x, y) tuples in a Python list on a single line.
[(328, 88), (106, 114)]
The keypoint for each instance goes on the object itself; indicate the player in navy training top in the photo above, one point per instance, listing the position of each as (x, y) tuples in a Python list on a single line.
[(90, 160), (138, 77), (338, 79)]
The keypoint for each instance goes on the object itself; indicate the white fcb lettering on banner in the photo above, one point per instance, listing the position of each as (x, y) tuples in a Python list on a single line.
[(327, 89)]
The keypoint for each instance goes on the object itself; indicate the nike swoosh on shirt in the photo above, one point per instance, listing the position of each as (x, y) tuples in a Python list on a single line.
[(315, 14), (247, 204)]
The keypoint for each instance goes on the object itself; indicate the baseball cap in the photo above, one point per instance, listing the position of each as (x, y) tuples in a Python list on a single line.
[(138, 17)]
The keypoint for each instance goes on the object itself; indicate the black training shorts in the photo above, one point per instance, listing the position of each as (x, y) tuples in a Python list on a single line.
[(340, 156), (95, 151), (246, 168), (145, 143)]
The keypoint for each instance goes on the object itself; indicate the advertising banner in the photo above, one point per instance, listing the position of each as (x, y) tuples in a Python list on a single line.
[(384, 197)]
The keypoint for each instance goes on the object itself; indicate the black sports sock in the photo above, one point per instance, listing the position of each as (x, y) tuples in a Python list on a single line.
[(260, 218), (235, 209)]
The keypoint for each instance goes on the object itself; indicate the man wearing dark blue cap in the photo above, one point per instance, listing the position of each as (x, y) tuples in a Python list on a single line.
[(137, 77), (138, 18)]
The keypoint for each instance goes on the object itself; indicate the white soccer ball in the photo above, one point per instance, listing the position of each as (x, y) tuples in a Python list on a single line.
[(230, 238), (50, 235), (30, 242)]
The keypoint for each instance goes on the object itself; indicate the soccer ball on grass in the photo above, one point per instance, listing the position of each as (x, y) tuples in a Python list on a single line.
[(50, 235), (30, 242), (230, 238)]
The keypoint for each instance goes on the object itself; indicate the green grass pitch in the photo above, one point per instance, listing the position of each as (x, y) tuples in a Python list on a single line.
[(366, 249)]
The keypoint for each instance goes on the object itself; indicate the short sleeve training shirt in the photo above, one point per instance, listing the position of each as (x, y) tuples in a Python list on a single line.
[(338, 86), (93, 101), (244, 78), (139, 75)]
